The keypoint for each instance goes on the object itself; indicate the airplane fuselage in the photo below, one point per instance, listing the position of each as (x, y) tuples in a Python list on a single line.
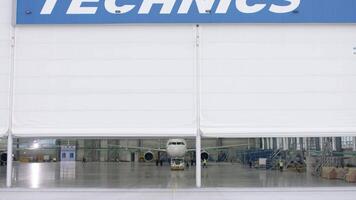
[(176, 148)]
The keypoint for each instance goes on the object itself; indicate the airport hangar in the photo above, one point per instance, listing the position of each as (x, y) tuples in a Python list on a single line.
[(91, 91)]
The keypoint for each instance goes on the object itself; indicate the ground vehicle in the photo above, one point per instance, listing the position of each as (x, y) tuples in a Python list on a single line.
[(177, 164)]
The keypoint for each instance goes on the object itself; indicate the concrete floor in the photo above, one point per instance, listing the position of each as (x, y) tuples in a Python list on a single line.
[(147, 175)]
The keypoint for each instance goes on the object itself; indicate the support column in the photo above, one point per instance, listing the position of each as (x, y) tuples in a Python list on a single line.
[(9, 160), (354, 143), (333, 139), (278, 143), (321, 143), (248, 143), (285, 144), (11, 109), (305, 144), (263, 143), (198, 96), (198, 160), (298, 143)]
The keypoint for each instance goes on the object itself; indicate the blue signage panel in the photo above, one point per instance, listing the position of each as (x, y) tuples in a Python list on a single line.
[(185, 11)]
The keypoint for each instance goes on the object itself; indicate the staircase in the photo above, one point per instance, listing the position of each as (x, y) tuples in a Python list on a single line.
[(325, 159), (253, 155), (273, 159)]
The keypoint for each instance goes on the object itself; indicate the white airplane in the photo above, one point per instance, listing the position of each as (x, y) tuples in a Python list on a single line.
[(176, 150)]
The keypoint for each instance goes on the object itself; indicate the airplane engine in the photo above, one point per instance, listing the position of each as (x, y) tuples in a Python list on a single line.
[(149, 156), (3, 158), (204, 155)]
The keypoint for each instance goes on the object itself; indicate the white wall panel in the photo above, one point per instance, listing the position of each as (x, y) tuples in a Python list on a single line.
[(264, 80), (105, 81), (5, 62)]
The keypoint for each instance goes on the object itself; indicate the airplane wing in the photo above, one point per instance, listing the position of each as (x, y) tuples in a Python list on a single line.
[(221, 147), (137, 148), (110, 147)]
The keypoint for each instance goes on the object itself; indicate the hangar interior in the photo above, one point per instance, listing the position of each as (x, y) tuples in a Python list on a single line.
[(126, 163)]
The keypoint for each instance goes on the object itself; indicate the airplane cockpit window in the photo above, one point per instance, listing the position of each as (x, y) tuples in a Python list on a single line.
[(173, 143)]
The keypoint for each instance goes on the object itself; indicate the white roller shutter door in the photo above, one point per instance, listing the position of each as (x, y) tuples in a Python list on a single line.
[(131, 80), (278, 80), (256, 80)]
